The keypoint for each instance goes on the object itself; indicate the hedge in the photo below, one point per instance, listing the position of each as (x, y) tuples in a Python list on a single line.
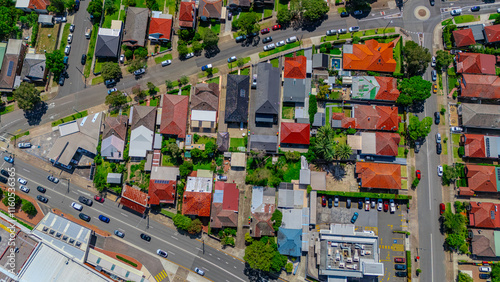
[(365, 195), (126, 261), (408, 264)]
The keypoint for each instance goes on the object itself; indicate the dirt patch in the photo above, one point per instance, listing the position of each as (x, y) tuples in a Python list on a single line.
[(31, 220), (422, 12), (347, 182)]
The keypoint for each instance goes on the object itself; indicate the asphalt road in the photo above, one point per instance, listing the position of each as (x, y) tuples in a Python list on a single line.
[(181, 249)]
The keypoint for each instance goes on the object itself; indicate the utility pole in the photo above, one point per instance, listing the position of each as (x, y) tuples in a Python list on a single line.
[(84, 77)]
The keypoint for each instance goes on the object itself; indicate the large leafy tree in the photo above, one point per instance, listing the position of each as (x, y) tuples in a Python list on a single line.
[(27, 96), (416, 58), (95, 9), (443, 59), (55, 62), (248, 22), (264, 255), (284, 16), (450, 173), (464, 277), (7, 21), (182, 49), (314, 10), (110, 70), (116, 99), (495, 272), (342, 151), (418, 129), (57, 6), (29, 209), (210, 38), (413, 89)]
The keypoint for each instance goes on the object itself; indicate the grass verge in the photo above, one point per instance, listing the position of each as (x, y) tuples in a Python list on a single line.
[(64, 37), (279, 49), (465, 19), (205, 73), (97, 80), (90, 53), (159, 59), (235, 64), (70, 118), (6, 110)]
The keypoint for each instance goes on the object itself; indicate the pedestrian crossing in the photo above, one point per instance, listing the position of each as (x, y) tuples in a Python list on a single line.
[(160, 276), (393, 247)]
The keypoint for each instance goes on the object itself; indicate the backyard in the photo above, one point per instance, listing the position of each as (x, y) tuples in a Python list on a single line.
[(288, 112), (115, 16), (47, 39)]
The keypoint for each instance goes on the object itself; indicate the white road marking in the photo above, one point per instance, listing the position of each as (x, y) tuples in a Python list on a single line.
[(432, 258), (199, 249), (124, 214), (175, 237), (25, 170), (86, 194), (74, 192)]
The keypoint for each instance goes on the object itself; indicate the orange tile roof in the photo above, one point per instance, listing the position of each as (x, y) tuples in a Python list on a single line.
[(480, 86), (210, 8), (225, 213), (481, 178), (379, 175), (387, 143), (370, 117), (174, 115), (476, 63), (196, 203), (372, 56), (39, 4), (484, 215), (134, 198), (388, 88), (161, 26), (464, 37), (295, 133), (474, 146), (296, 67), (186, 14), (492, 33), (161, 191)]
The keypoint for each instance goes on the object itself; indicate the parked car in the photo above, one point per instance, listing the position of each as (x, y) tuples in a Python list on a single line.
[(342, 31), (291, 39), (344, 14), (330, 202), (122, 58), (112, 90), (400, 266), (456, 129), (119, 233), (348, 203), (72, 28), (386, 205), (77, 5), (85, 201), (232, 59), (323, 201), (199, 271), (434, 75), (240, 38), (484, 269), (354, 217), (434, 88), (437, 118), (265, 30), (99, 199), (440, 170), (475, 9), (281, 43), (206, 67), (84, 59), (221, 178), (53, 179), (379, 204), (145, 237), (438, 138), (8, 159), (358, 12), (22, 181), (3, 179), (230, 16), (161, 253), (84, 217), (110, 83), (67, 49), (267, 39), (24, 145), (442, 208), (269, 47), (360, 204), (24, 189), (354, 28), (433, 62), (432, 2), (254, 81), (65, 60), (70, 38), (418, 174), (456, 12), (331, 32), (103, 218), (140, 72), (367, 204), (401, 274), (166, 63), (336, 201), (400, 260), (498, 10), (484, 276), (4, 172), (453, 52), (42, 199), (188, 56), (392, 206), (41, 189)]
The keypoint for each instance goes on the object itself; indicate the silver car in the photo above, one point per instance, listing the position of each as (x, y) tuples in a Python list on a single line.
[(281, 43), (67, 49), (440, 170), (269, 47), (456, 12)]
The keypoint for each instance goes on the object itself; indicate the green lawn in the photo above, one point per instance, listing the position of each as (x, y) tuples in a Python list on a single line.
[(345, 36), (207, 166), (154, 102), (327, 117), (159, 59), (186, 90), (329, 38), (445, 148), (401, 152), (279, 49), (447, 22), (108, 18), (234, 72), (204, 74), (335, 51), (161, 4), (494, 16), (456, 139), (299, 53), (390, 30), (282, 5), (171, 6), (215, 27), (140, 3), (64, 38), (6, 110), (292, 171), (97, 80), (237, 142), (268, 13), (213, 80), (46, 42), (235, 64), (370, 32), (70, 118), (357, 33), (465, 19), (275, 62), (245, 71), (452, 81), (341, 9), (287, 112), (397, 56)]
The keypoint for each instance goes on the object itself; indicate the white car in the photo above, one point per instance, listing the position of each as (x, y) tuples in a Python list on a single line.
[(22, 181), (281, 43), (438, 138), (269, 47), (232, 59), (433, 62), (24, 189), (367, 205), (484, 269), (379, 205), (190, 55), (161, 253), (291, 39), (166, 63), (440, 170), (456, 12), (70, 38), (67, 49), (24, 145), (122, 58), (498, 10), (456, 129), (76, 206), (354, 28), (199, 271)]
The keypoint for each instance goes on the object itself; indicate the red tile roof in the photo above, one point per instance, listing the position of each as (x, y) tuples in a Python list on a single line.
[(480, 86), (161, 191), (370, 117), (225, 214), (295, 133), (134, 198), (196, 203), (481, 178), (464, 37), (484, 215), (372, 55), (474, 146), (476, 63), (379, 175), (492, 33), (39, 4), (174, 115), (388, 88), (296, 67), (387, 143), (210, 8), (161, 26), (186, 14)]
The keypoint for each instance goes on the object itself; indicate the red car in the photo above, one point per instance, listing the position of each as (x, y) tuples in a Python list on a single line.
[(265, 30), (418, 174), (99, 199), (386, 205), (276, 27), (400, 260), (323, 201), (442, 208)]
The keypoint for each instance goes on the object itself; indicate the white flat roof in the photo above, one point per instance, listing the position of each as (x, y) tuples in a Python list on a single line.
[(203, 115)]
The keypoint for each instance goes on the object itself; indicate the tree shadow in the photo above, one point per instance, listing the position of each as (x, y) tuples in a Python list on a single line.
[(211, 52), (34, 117), (255, 275)]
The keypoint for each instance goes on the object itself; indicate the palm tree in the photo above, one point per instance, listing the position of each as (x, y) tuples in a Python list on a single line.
[(325, 145), (343, 151)]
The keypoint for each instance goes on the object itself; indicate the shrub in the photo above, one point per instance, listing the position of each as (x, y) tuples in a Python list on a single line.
[(29, 209), (289, 267), (461, 151)]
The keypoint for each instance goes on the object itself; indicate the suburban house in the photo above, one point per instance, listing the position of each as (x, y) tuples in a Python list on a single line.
[(288, 198), (136, 25), (210, 9), (114, 137), (162, 185), (187, 14), (463, 37), (379, 175), (77, 142), (223, 141), (484, 215), (34, 69), (480, 146), (225, 205), (293, 231), (3, 48), (320, 65), (197, 196), (296, 85), (262, 209), (375, 143), (479, 87), (174, 115), (142, 126), (37, 6), (371, 56), (492, 33), (368, 117), (134, 199), (46, 20), (204, 107), (479, 116), (481, 178), (12, 65), (374, 88), (267, 101), (295, 134), (485, 243), (474, 63), (160, 27), (237, 91), (109, 41), (233, 4), (267, 143)]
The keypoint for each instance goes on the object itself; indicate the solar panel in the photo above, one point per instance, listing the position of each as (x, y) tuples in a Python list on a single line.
[(162, 181), (11, 67)]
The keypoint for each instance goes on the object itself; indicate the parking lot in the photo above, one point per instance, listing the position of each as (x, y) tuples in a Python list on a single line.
[(380, 222)]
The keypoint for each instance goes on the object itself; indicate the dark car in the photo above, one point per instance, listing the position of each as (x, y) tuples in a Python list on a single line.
[(330, 202), (439, 149), (41, 189), (265, 30), (401, 274), (110, 83), (84, 59), (3, 179), (437, 118), (119, 233), (84, 217), (484, 276), (61, 80), (348, 204), (432, 2), (400, 266), (99, 199), (344, 14), (400, 260), (241, 38), (42, 199), (145, 237), (354, 217), (267, 39), (77, 5), (475, 9), (140, 72), (103, 218), (323, 201), (360, 204), (253, 34), (85, 201), (4, 172)]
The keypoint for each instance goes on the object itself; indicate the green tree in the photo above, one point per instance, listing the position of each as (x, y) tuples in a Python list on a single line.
[(416, 58), (418, 129), (136, 64), (182, 49), (313, 108), (240, 62), (141, 52), (284, 16), (413, 89), (342, 151), (454, 240), (55, 62), (464, 277), (277, 217), (6, 200), (248, 238), (495, 272), (181, 221), (197, 47), (352, 6), (7, 20), (110, 70), (324, 146), (115, 99), (186, 34), (247, 22), (210, 38), (57, 6), (183, 80), (29, 208), (415, 183), (129, 54), (27, 96), (264, 256), (289, 267), (450, 174), (195, 227), (443, 59), (314, 10), (109, 7), (151, 88), (95, 9), (323, 91), (185, 169)]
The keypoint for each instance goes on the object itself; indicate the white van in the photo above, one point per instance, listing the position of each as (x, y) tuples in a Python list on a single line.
[(291, 39), (76, 206)]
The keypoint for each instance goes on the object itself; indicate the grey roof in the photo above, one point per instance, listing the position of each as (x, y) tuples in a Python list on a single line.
[(141, 141), (305, 177), (477, 31), (319, 119), (223, 141), (112, 148), (268, 90), (45, 19), (135, 26), (480, 116), (292, 218), (107, 45), (237, 92), (33, 68), (267, 143), (290, 199), (294, 90), (320, 61), (114, 178), (164, 173), (157, 141)]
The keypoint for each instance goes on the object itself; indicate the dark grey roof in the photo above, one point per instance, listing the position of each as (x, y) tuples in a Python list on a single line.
[(223, 141), (33, 68), (268, 89), (135, 26), (320, 61), (480, 116), (107, 46), (286, 185), (267, 143), (45, 19), (477, 31), (237, 91), (294, 90), (319, 119)]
